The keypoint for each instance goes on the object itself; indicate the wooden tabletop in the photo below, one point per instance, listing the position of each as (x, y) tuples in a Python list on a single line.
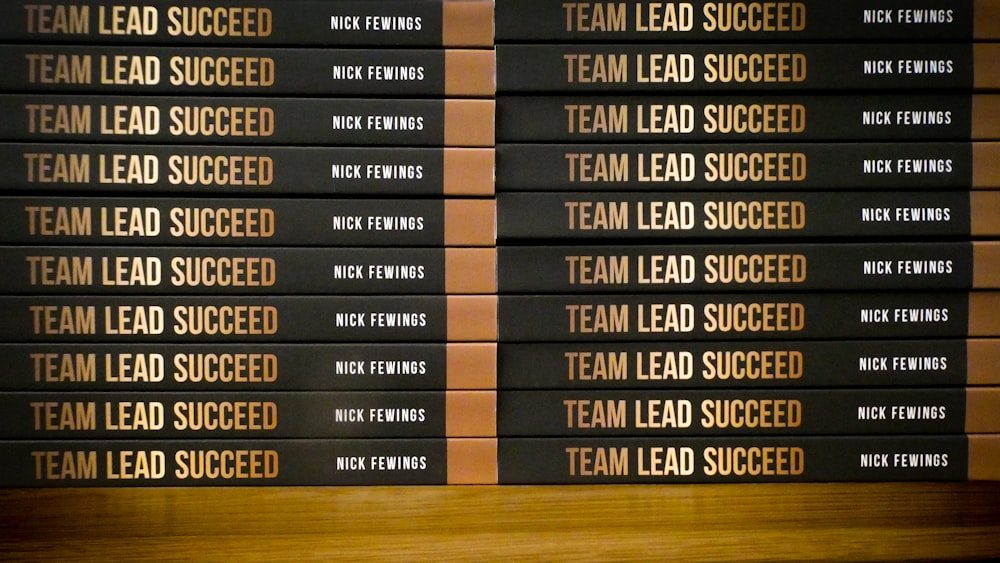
[(943, 521)]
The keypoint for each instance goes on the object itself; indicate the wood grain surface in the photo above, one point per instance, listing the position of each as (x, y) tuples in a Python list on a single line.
[(926, 521)]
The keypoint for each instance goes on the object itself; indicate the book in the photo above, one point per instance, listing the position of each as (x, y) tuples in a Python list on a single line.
[(213, 463), (247, 414), (243, 222), (547, 21), (256, 121), (600, 217), (589, 118), (779, 412), (245, 270), (666, 365), (250, 367), (757, 166), (245, 170), (524, 461), (752, 267), (261, 22), (748, 316), (778, 67), (298, 319), (396, 72)]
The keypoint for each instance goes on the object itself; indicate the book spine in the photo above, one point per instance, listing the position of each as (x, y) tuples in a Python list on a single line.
[(238, 121), (556, 21), (314, 414), (525, 461), (258, 222), (260, 22), (637, 119), (602, 216), (463, 318), (399, 73), (249, 367), (745, 67), (745, 365), (265, 270), (744, 412), (206, 463), (243, 170), (761, 316), (729, 267), (719, 167)]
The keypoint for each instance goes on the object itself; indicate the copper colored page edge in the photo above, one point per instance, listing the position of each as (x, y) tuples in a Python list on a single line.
[(984, 314), (982, 361), (982, 407), (469, 123), (470, 222), (470, 270), (472, 461), (472, 318), (984, 457), (985, 213), (467, 23), (986, 66), (469, 172), (985, 19), (986, 264), (470, 73), (985, 116), (471, 365), (471, 414), (986, 164)]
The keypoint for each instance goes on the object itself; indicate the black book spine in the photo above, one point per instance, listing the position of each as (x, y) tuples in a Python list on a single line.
[(657, 119), (555, 21), (761, 316), (238, 170), (257, 222), (261, 22), (314, 414), (728, 267), (205, 463), (247, 319), (724, 67), (719, 167), (247, 271), (235, 71), (665, 366), (601, 216), (238, 121), (732, 460), (227, 367), (731, 412)]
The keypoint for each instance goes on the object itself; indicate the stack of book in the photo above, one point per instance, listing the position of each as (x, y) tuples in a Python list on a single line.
[(748, 241), (249, 243)]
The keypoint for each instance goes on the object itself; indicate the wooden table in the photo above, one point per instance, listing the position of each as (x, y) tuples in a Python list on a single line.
[(705, 522)]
